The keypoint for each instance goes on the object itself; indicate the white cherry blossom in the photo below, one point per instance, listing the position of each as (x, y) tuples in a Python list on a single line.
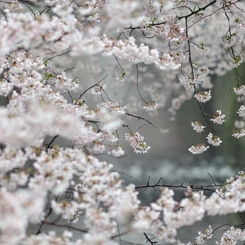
[(198, 149), (241, 111), (203, 97), (213, 140), (197, 126), (218, 117), (136, 141)]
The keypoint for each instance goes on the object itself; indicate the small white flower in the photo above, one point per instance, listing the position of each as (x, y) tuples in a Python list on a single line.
[(240, 90), (238, 133), (203, 71), (213, 140), (203, 97), (241, 111), (218, 117), (197, 126), (198, 149), (203, 235), (237, 61)]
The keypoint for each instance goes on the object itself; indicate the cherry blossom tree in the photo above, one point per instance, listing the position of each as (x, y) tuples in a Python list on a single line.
[(64, 65)]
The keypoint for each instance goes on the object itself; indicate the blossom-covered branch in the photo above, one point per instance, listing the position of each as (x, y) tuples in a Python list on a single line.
[(67, 71)]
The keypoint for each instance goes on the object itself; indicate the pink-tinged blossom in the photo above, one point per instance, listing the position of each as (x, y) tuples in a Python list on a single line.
[(137, 142), (197, 126), (198, 149), (213, 140), (218, 117)]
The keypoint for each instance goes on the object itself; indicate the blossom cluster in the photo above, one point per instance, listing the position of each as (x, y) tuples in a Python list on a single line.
[(137, 142), (197, 126), (213, 140), (203, 97), (218, 117), (198, 149)]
